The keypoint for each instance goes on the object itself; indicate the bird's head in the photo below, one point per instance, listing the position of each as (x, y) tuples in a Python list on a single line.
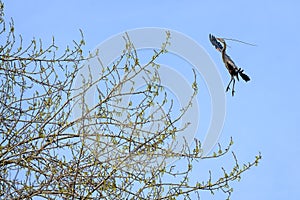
[(221, 40)]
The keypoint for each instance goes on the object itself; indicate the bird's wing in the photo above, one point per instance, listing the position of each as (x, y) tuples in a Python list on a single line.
[(215, 42), (219, 47)]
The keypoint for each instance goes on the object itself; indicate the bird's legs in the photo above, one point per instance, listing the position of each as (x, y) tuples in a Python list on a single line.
[(232, 92), (228, 86)]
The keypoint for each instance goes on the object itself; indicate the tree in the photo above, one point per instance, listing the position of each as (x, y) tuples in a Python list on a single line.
[(45, 152)]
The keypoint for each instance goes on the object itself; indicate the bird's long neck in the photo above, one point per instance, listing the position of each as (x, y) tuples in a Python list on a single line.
[(223, 50)]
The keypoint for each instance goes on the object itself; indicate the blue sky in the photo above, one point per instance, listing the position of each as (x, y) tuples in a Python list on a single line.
[(263, 116)]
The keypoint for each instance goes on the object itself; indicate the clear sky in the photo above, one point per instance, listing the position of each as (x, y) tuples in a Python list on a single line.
[(265, 113)]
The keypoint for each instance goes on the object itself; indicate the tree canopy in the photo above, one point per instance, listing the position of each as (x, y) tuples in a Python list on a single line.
[(48, 153)]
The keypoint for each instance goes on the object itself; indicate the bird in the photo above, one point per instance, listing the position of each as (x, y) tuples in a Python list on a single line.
[(233, 70)]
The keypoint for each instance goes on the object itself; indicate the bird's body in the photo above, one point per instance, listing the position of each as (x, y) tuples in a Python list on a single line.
[(233, 70)]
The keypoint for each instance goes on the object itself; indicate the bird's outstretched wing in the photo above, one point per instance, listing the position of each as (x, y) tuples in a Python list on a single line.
[(215, 42), (219, 47)]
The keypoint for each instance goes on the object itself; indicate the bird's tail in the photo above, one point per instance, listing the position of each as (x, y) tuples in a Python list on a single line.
[(244, 76)]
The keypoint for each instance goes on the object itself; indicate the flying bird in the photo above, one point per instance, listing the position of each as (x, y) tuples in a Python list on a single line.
[(233, 70)]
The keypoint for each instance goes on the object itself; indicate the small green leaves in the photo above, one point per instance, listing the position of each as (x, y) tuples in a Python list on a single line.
[(109, 149), (195, 86)]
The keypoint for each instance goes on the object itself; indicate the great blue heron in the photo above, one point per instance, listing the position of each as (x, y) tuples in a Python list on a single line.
[(233, 70)]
